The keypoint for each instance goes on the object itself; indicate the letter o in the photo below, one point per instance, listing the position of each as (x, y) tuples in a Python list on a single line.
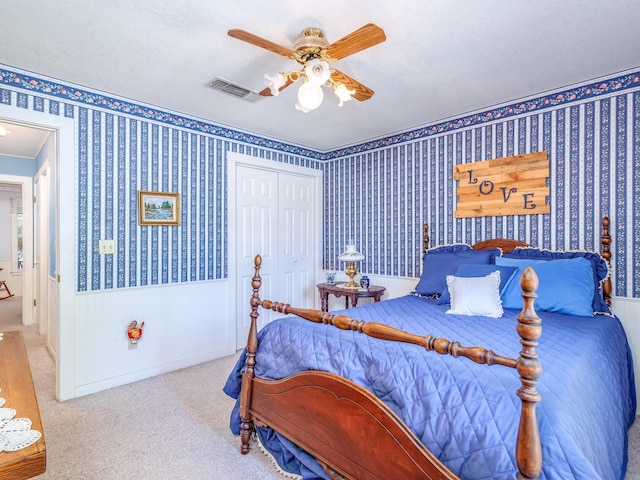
[(486, 187)]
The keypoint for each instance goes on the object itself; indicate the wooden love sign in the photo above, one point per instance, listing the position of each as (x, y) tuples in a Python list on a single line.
[(505, 186)]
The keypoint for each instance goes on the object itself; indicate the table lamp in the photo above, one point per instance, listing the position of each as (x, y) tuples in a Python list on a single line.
[(350, 256)]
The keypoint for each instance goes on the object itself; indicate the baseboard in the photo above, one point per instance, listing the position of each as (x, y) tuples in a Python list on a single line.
[(52, 353), (94, 387)]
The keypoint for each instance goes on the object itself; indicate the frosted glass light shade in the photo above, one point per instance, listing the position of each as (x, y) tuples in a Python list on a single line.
[(317, 71), (301, 108), (310, 96), (275, 83), (343, 93)]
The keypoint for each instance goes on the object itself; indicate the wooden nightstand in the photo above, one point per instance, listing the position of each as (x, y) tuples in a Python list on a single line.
[(351, 294)]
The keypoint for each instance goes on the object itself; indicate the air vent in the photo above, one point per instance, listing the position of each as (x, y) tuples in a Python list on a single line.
[(235, 90)]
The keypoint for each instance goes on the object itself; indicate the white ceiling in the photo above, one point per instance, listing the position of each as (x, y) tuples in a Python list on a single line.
[(21, 140), (442, 58)]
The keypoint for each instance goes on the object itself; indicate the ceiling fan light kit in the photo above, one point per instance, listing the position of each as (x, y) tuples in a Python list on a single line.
[(314, 53), (316, 74)]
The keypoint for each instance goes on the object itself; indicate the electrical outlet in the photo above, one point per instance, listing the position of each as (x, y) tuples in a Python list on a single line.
[(107, 247)]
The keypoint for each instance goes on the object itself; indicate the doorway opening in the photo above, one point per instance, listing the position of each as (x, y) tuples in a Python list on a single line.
[(11, 256), (25, 154)]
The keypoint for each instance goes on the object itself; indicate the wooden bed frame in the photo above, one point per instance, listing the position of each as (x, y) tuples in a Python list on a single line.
[(352, 433)]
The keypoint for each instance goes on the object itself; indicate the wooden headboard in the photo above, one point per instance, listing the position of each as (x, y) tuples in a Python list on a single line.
[(507, 245)]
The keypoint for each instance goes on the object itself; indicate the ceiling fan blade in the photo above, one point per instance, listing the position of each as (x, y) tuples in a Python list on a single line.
[(356, 41), (260, 42), (362, 92), (266, 92)]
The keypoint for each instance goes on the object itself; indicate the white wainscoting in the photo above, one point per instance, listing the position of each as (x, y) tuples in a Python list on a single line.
[(184, 325), (628, 310)]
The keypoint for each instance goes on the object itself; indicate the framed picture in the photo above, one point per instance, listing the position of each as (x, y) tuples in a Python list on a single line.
[(158, 208)]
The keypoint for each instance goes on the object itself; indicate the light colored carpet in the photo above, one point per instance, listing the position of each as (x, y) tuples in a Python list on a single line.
[(173, 426)]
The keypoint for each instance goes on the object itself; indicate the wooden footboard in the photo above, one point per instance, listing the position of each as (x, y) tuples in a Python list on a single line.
[(346, 428), (352, 433)]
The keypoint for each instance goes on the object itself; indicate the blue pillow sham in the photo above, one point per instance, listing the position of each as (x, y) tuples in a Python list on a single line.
[(476, 270), (565, 285), (439, 262), (598, 265)]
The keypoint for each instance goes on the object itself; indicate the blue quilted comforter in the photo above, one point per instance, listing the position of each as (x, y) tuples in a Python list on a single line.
[(467, 414)]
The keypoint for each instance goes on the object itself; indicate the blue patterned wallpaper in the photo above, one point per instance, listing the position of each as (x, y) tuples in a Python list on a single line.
[(124, 147), (380, 194)]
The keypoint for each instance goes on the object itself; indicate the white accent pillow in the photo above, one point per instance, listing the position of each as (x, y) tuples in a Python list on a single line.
[(475, 295)]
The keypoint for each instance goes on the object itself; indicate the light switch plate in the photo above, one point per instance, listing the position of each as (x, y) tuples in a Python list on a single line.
[(107, 247)]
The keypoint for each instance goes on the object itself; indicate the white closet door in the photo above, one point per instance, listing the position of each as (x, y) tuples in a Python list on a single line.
[(276, 218), (296, 244)]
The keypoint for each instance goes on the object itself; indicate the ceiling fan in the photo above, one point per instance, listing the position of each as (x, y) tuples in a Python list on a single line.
[(314, 53)]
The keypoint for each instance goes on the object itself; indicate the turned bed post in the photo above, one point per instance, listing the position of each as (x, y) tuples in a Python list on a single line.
[(605, 241), (529, 327), (246, 427), (425, 238)]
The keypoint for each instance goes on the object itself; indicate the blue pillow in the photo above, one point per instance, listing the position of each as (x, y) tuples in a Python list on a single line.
[(565, 286), (474, 270), (518, 262), (440, 262), (598, 264)]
